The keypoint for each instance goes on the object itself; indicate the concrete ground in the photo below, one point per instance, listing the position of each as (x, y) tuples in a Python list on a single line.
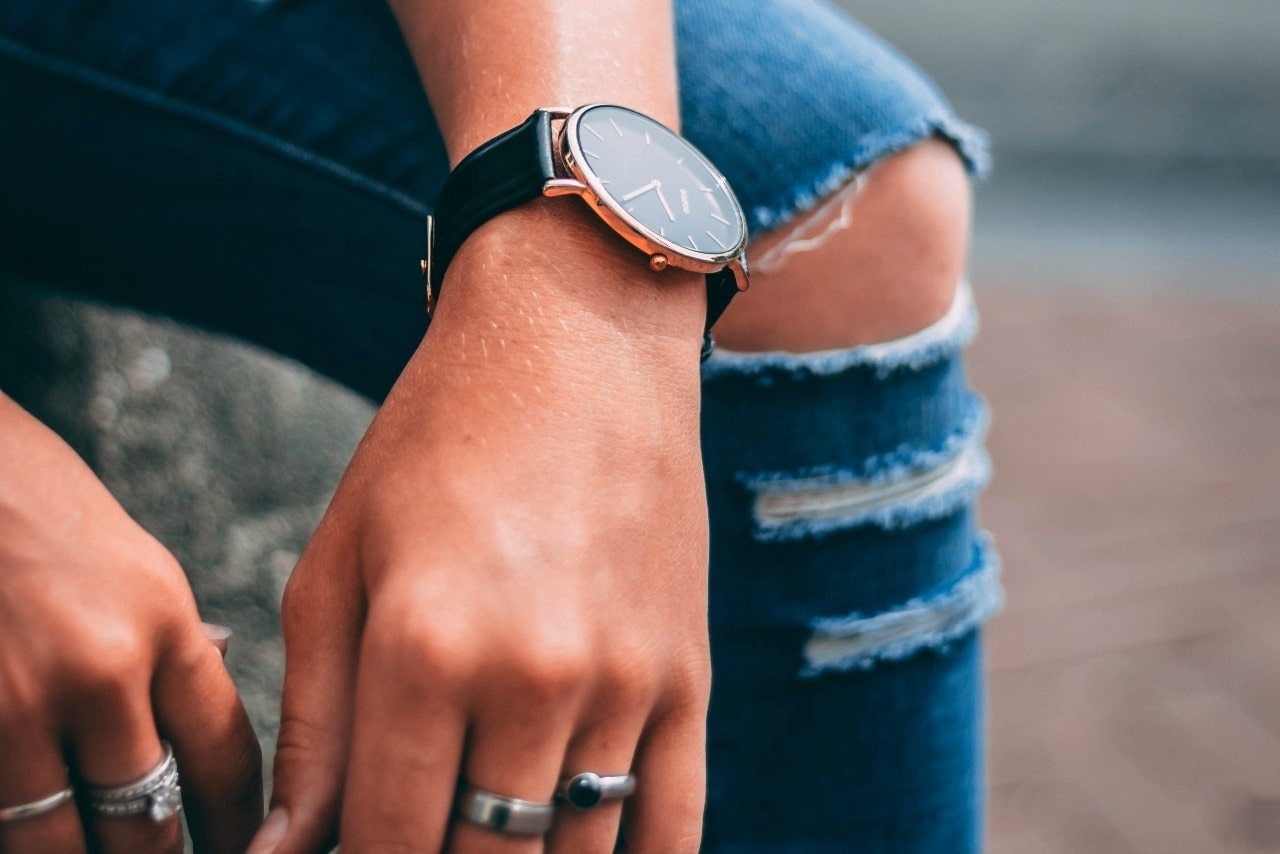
[(1135, 674)]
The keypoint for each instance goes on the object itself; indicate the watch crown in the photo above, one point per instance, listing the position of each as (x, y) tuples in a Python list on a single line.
[(658, 262)]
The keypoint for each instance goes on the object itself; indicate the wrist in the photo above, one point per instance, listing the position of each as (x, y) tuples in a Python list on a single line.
[(551, 271)]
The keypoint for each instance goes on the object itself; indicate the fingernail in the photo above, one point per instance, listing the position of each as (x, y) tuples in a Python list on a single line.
[(271, 832), (219, 636)]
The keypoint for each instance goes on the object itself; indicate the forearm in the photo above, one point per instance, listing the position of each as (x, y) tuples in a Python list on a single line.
[(485, 67)]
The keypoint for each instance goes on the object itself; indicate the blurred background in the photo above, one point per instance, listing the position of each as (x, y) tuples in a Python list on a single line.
[(1127, 266)]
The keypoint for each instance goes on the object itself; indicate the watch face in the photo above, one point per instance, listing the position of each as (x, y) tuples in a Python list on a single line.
[(657, 182)]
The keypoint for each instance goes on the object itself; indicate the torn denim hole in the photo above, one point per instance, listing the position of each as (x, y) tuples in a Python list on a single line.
[(817, 506), (940, 340), (858, 642), (891, 491)]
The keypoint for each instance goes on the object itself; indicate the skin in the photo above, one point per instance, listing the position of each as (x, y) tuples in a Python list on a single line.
[(510, 582)]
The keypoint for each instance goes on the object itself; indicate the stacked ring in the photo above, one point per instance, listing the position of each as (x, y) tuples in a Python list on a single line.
[(156, 793)]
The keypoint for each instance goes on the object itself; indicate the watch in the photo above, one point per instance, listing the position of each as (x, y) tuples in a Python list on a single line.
[(647, 183)]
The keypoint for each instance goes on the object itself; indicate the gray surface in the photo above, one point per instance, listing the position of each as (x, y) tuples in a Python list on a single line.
[(227, 454)]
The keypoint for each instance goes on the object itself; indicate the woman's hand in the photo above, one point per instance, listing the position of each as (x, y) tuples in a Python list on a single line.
[(101, 656), (510, 583)]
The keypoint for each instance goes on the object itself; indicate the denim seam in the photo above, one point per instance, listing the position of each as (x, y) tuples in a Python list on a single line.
[(969, 142), (139, 94), (936, 342), (857, 642)]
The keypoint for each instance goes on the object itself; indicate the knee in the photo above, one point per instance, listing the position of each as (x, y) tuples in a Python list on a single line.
[(879, 260)]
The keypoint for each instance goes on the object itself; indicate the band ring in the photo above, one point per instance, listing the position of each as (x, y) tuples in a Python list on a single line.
[(503, 814), (155, 793), (586, 790), (39, 807)]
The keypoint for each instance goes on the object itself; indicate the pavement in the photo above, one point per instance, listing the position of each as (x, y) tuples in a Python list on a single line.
[(1135, 674)]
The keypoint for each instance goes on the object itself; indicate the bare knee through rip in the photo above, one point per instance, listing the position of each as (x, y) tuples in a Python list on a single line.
[(877, 260)]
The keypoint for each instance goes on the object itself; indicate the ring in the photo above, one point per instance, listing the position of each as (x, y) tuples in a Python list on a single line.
[(156, 793), (503, 814), (587, 789), (39, 807)]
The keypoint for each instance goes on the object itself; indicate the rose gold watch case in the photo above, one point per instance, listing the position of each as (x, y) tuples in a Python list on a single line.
[(581, 181)]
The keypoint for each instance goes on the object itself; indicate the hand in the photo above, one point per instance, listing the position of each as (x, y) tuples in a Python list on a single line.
[(510, 581), (102, 655)]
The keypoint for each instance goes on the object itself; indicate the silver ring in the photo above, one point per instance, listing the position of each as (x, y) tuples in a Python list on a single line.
[(503, 814), (39, 807), (156, 793), (586, 790)]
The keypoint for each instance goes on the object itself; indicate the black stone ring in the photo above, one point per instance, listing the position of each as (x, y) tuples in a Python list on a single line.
[(583, 791)]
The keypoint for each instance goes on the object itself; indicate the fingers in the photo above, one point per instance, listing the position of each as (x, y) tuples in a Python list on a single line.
[(34, 769), (322, 631), (113, 742), (516, 749), (219, 759), (608, 749), (408, 741), (665, 813)]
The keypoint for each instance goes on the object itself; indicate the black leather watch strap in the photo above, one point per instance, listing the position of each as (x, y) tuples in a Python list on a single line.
[(504, 172)]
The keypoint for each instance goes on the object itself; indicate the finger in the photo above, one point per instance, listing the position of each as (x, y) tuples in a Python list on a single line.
[(33, 770), (407, 745), (607, 748), (522, 720), (322, 614), (665, 813), (113, 742), (219, 759), (219, 636)]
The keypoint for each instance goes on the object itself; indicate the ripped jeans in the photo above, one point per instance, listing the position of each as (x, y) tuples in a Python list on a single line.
[(263, 168)]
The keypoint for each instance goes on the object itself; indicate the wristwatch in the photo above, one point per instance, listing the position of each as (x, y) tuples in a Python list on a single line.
[(647, 183)]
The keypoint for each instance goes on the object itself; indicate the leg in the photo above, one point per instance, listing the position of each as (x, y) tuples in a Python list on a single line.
[(878, 260), (848, 574)]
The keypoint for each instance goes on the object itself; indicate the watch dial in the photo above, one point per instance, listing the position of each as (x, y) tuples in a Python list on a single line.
[(661, 182)]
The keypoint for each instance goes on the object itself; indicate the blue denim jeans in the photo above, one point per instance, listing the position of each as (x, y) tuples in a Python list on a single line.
[(263, 169)]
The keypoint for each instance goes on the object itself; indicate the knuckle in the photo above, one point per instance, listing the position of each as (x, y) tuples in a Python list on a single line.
[(628, 679), (551, 671), (107, 665), (690, 681), (424, 648)]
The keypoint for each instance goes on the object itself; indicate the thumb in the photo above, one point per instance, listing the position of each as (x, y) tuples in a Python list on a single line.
[(322, 635)]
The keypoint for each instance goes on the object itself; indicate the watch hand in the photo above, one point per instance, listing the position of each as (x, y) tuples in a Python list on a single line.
[(640, 191), (666, 207)]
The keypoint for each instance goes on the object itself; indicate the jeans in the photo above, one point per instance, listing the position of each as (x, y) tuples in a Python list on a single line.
[(263, 169)]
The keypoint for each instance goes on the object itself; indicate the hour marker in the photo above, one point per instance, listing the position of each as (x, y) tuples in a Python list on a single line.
[(662, 231), (594, 132), (631, 210), (719, 218), (706, 189), (590, 154), (716, 239), (691, 243), (647, 141), (681, 160), (615, 127)]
